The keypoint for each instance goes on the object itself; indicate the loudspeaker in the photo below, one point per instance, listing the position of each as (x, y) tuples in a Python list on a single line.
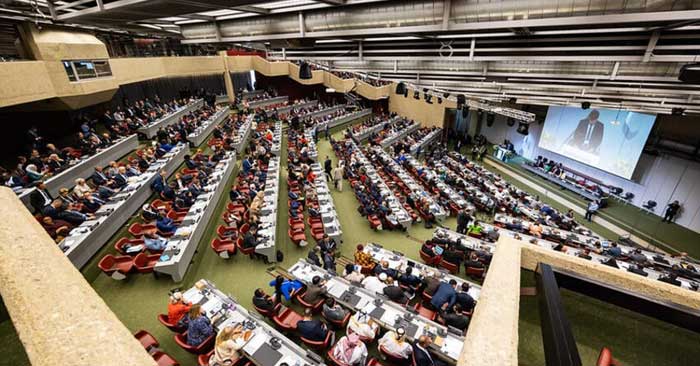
[(439, 100), (523, 128), (446, 95), (586, 105), (400, 88), (677, 111), (428, 98), (405, 93), (461, 100), (510, 121), (490, 118), (416, 94), (305, 71), (690, 73)]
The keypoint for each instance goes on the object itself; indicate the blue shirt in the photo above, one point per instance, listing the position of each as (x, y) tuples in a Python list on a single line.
[(166, 225), (198, 330), (287, 287)]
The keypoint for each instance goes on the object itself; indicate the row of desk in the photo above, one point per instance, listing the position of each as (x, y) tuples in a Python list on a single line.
[(367, 132), (181, 247), (265, 102), (443, 187), (152, 128), (267, 230), (389, 315), (341, 120), (417, 190), (581, 191), (329, 215), (651, 274), (86, 240), (276, 147), (266, 346), (200, 133), (398, 135), (240, 139), (84, 167), (397, 209), (320, 112), (288, 108), (426, 140)]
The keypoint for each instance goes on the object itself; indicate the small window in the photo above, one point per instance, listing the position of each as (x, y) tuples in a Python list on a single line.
[(102, 68), (69, 70), (85, 69)]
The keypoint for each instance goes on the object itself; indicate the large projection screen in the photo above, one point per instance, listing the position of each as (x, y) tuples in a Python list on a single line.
[(607, 139)]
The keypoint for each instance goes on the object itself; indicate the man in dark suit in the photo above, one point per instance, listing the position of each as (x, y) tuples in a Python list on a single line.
[(40, 197), (445, 296), (456, 318), (395, 293), (314, 291), (588, 134), (311, 329), (262, 301), (465, 300), (421, 356), (100, 178)]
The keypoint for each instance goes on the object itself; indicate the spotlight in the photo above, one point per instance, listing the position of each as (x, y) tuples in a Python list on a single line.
[(439, 100), (512, 100), (490, 118), (400, 88), (586, 105), (461, 100), (677, 111), (428, 98), (510, 121), (523, 128), (416, 94), (446, 95), (405, 93)]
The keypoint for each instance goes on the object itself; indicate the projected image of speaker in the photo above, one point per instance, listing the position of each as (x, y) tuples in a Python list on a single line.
[(401, 88), (523, 128), (305, 71)]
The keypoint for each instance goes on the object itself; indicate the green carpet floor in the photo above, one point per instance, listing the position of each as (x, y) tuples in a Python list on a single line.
[(137, 301)]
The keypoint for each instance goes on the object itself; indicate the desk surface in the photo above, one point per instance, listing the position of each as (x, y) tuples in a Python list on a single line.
[(388, 314), (228, 312), (267, 230), (433, 178)]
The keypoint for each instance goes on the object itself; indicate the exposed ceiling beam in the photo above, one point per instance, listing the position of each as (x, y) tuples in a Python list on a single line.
[(651, 45), (245, 8), (331, 2)]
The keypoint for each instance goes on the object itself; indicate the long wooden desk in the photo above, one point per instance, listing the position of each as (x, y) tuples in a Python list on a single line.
[(84, 167), (426, 140), (177, 256), (389, 315), (201, 133), (398, 135), (152, 128), (86, 240), (267, 230), (264, 102), (266, 346)]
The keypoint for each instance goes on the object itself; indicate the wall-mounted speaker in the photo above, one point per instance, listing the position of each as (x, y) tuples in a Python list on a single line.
[(461, 100), (690, 73), (305, 71), (510, 121), (416, 94), (439, 100), (523, 128), (490, 118), (586, 105), (400, 88)]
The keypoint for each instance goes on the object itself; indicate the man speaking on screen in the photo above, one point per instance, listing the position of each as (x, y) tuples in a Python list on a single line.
[(588, 134)]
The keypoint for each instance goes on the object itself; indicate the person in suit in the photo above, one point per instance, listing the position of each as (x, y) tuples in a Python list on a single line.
[(100, 178), (40, 197), (394, 293), (262, 301), (431, 284), (588, 134), (120, 179), (312, 329), (313, 256), (421, 355), (456, 318), (315, 291), (445, 296), (463, 220), (409, 279)]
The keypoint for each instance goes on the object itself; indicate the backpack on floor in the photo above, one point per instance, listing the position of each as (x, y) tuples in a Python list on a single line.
[(280, 256), (428, 224)]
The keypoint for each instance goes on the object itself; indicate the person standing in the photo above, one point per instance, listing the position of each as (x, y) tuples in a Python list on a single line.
[(591, 209), (338, 177), (328, 167), (463, 220), (671, 211)]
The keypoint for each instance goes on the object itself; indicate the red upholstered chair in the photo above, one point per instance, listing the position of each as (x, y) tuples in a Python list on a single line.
[(176, 216), (338, 324), (226, 232), (244, 229), (146, 339), (334, 361), (320, 345), (296, 224), (138, 229), (159, 204), (268, 313), (453, 268), (296, 236), (315, 307), (223, 248), (204, 347), (163, 319), (315, 222), (475, 272), (287, 319), (186, 171), (244, 251), (317, 233), (425, 312), (144, 263), (122, 242), (605, 358), (373, 362), (374, 222), (392, 358), (163, 359), (431, 261), (203, 360), (116, 267), (235, 208)]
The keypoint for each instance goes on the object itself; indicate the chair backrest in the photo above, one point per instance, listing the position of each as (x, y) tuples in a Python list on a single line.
[(107, 262), (605, 358)]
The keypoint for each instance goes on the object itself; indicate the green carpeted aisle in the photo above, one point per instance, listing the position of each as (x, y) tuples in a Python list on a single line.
[(636, 340)]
